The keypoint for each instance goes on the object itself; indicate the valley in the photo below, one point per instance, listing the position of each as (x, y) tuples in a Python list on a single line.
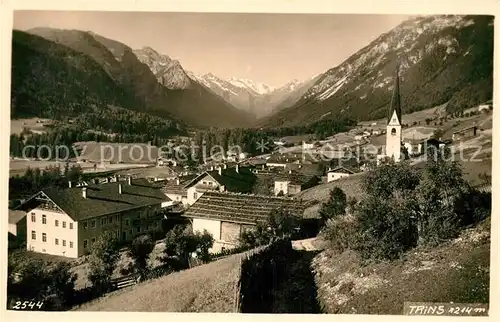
[(178, 189)]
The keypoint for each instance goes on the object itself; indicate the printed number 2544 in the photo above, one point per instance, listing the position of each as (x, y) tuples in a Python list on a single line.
[(27, 305)]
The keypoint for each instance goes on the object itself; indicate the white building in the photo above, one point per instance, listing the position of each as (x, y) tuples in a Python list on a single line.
[(338, 173), (394, 133)]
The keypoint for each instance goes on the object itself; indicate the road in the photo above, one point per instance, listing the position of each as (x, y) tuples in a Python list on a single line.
[(310, 244)]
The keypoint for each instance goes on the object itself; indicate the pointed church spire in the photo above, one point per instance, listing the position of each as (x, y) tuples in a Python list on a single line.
[(396, 99)]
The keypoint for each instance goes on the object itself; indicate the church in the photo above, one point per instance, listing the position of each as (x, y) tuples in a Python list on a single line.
[(393, 141)]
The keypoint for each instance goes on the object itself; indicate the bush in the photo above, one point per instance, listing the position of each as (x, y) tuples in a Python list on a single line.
[(385, 228), (341, 233), (335, 206), (139, 251), (102, 262)]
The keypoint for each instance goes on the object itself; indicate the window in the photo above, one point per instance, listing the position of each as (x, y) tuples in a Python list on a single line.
[(44, 237), (33, 235), (93, 240), (33, 217), (126, 222), (92, 224), (64, 224), (138, 229), (195, 195), (57, 241), (70, 244), (44, 219), (85, 243), (70, 225), (103, 221), (64, 242), (110, 219), (85, 225), (393, 131), (57, 223), (117, 217)]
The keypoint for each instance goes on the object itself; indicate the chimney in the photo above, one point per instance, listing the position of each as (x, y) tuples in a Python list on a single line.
[(220, 171), (84, 192), (69, 184), (129, 181), (237, 168), (120, 188)]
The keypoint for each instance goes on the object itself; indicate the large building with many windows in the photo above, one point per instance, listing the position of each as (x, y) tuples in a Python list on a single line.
[(66, 221)]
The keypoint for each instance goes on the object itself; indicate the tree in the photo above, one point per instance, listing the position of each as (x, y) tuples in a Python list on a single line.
[(385, 228), (36, 279), (180, 242), (75, 173), (441, 189), (205, 241), (102, 261), (279, 224), (391, 180), (139, 250), (335, 206)]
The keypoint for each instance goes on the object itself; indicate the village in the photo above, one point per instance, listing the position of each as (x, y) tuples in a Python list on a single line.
[(227, 197), (153, 171)]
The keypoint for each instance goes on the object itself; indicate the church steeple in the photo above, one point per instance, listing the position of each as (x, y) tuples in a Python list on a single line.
[(395, 100)]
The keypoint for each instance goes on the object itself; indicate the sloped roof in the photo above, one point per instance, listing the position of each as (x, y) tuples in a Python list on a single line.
[(342, 170), (103, 199), (395, 100), (241, 181), (293, 177), (15, 216), (171, 186), (242, 208)]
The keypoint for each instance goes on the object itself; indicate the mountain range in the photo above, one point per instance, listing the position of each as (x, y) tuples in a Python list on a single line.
[(443, 59), (87, 67), (257, 98)]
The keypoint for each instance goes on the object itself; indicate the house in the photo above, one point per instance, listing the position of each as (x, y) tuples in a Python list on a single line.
[(67, 221), (17, 228), (283, 160), (464, 133), (308, 145), (226, 215), (175, 188), (237, 179), (484, 107), (279, 143), (337, 173), (292, 182), (359, 137)]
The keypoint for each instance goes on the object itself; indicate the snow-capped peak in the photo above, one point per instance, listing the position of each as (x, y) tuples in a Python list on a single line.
[(259, 88)]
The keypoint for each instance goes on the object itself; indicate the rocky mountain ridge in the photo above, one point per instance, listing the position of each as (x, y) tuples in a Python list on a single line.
[(442, 59)]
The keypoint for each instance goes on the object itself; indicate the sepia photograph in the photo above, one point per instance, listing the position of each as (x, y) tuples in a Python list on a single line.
[(238, 162)]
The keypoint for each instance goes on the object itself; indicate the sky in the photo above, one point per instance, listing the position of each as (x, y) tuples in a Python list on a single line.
[(268, 48)]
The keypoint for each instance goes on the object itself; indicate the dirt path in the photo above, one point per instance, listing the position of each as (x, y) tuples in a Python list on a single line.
[(310, 244)]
